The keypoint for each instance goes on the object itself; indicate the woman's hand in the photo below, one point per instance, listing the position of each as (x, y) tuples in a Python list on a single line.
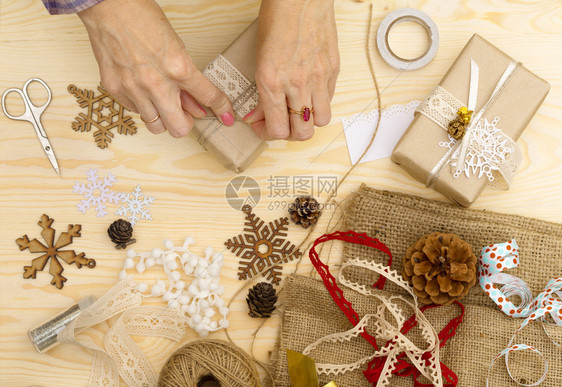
[(144, 65), (297, 66)]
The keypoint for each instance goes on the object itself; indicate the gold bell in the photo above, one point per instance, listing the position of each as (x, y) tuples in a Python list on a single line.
[(465, 115)]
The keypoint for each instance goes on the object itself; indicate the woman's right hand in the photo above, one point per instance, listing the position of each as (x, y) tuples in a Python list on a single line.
[(144, 64)]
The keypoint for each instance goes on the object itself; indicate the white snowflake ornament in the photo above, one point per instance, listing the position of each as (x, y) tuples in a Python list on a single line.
[(137, 205), (200, 300), (97, 193), (490, 152)]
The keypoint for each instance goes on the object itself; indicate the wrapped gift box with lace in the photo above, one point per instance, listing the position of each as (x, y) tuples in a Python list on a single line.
[(463, 135), (235, 147)]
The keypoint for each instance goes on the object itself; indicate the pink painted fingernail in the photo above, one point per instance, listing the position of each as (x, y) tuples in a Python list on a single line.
[(249, 114), (202, 108), (227, 118)]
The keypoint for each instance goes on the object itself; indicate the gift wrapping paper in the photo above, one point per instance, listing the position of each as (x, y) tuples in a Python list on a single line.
[(236, 147), (419, 150)]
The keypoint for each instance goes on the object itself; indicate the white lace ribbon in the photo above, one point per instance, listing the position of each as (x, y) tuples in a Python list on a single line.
[(240, 90), (121, 355), (385, 329), (484, 149)]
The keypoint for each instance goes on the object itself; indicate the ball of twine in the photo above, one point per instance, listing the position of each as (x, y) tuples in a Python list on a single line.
[(199, 360)]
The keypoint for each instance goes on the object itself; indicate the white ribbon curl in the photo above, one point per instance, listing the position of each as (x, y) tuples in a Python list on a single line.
[(494, 259)]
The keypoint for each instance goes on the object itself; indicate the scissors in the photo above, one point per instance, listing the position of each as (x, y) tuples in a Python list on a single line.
[(33, 114)]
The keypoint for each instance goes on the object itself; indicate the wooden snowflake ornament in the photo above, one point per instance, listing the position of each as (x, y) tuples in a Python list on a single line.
[(262, 246), (52, 251), (104, 113)]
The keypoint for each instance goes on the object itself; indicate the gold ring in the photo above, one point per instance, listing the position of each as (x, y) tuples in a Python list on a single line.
[(151, 121), (305, 112)]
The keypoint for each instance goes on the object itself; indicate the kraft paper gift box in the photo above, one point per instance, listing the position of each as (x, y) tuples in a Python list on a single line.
[(423, 145), (236, 147)]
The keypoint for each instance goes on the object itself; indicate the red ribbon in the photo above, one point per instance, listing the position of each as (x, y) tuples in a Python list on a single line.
[(375, 367)]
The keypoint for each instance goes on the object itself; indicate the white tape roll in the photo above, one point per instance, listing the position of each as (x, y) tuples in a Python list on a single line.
[(397, 17)]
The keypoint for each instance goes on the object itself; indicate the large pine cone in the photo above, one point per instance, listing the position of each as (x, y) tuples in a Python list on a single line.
[(442, 268), (305, 211), (120, 233), (261, 300)]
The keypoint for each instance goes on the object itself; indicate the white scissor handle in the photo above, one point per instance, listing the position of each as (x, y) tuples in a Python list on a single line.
[(31, 112), (38, 110), (26, 115)]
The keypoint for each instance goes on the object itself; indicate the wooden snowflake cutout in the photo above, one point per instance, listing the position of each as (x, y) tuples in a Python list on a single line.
[(52, 251), (262, 246), (104, 113)]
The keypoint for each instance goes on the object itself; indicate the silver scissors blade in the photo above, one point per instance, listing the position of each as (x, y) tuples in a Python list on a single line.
[(46, 144), (32, 114)]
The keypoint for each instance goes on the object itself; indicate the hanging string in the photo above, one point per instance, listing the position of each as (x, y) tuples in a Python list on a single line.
[(328, 199)]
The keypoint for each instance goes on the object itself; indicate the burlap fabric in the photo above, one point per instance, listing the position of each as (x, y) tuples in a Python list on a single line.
[(398, 220)]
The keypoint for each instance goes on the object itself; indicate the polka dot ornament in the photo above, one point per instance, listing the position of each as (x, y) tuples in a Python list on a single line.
[(494, 259)]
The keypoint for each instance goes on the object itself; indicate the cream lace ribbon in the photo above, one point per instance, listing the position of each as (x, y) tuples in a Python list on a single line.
[(385, 329), (489, 150), (242, 93), (121, 356)]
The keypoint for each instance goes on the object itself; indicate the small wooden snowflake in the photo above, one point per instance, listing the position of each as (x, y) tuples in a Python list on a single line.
[(104, 113), (262, 246), (52, 251)]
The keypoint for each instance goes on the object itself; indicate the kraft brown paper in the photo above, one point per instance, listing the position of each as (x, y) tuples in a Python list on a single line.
[(418, 151), (236, 147)]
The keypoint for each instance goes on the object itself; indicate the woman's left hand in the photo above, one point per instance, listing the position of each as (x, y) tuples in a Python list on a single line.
[(297, 67)]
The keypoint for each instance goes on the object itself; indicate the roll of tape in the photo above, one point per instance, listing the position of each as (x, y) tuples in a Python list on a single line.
[(397, 17)]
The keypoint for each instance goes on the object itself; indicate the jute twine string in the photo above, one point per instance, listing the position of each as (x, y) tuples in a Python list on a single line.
[(328, 200), (342, 180), (227, 363)]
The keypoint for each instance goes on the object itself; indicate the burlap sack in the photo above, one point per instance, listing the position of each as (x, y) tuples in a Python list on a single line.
[(398, 220)]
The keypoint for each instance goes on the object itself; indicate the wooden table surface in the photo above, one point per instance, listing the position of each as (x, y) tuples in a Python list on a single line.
[(189, 185)]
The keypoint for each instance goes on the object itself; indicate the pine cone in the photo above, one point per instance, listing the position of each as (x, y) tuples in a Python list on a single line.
[(456, 129), (261, 300), (305, 211), (120, 233), (442, 268)]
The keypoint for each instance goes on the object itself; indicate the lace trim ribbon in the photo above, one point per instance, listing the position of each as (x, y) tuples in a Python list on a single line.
[(403, 368), (121, 356), (495, 259), (388, 360), (242, 93), (485, 148)]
